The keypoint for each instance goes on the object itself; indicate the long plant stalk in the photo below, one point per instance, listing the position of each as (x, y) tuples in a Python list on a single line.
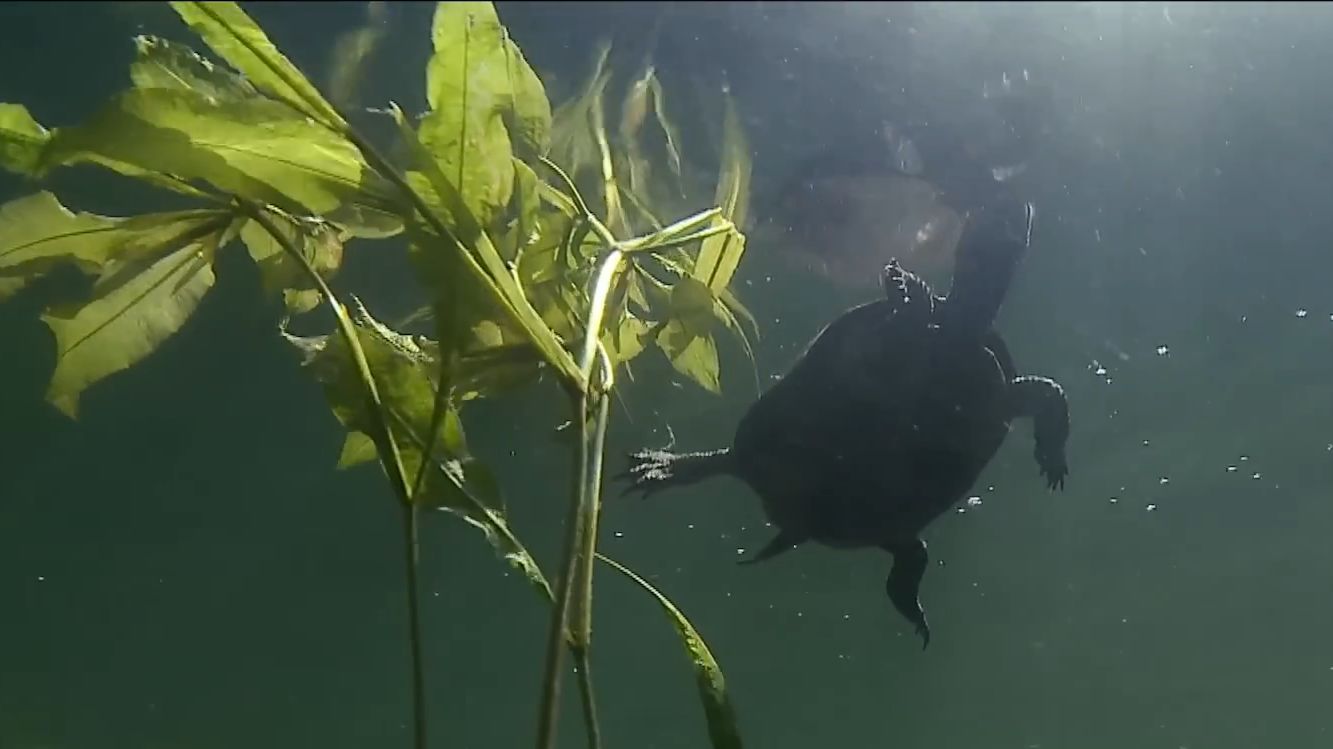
[(581, 535), (581, 629), (390, 456), (557, 634), (411, 517)]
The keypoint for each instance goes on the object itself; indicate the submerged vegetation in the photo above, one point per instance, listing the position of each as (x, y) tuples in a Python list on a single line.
[(534, 237)]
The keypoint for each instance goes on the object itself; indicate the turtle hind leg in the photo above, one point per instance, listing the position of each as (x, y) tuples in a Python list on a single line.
[(904, 584), (651, 471), (1043, 400)]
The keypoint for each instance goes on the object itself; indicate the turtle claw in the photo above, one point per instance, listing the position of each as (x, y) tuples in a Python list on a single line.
[(1053, 469), (651, 470), (923, 629)]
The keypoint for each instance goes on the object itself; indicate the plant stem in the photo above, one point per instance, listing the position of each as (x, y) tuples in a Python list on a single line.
[(557, 635), (584, 666), (410, 543), (581, 533), (581, 630), (385, 444)]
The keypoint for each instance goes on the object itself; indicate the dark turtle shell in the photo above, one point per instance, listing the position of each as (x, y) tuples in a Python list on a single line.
[(878, 427)]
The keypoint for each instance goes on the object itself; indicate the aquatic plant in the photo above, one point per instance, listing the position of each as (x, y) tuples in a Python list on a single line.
[(524, 280)]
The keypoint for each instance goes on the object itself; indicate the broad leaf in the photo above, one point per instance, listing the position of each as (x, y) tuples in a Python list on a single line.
[(236, 38), (627, 340), (280, 273), (529, 115), (694, 356), (160, 63), (142, 298), (37, 233), (21, 140), (468, 89), (255, 147), (718, 711), (404, 376), (441, 261)]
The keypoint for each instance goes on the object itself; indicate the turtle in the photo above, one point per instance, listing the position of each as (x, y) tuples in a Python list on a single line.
[(889, 416)]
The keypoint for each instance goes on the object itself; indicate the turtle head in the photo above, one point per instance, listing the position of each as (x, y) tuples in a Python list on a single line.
[(989, 251)]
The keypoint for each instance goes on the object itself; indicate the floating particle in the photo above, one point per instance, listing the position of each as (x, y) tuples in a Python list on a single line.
[(1114, 500), (1164, 480), (973, 501), (1150, 508), (1244, 458), (740, 552), (1302, 313), (620, 534), (1231, 469), (962, 510), (1257, 476), (1163, 350)]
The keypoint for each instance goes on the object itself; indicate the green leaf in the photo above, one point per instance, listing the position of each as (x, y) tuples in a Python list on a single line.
[(37, 233), (256, 148), (718, 711), (441, 261), (279, 272), (628, 340), (160, 63), (21, 140), (468, 88), (236, 38), (529, 115), (692, 305), (142, 298), (694, 356), (719, 256), (404, 376)]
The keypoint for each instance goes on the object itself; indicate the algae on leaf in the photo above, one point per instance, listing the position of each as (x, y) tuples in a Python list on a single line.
[(142, 298), (160, 63)]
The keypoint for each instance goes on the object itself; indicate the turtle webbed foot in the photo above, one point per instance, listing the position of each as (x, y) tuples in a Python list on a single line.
[(652, 470), (904, 584)]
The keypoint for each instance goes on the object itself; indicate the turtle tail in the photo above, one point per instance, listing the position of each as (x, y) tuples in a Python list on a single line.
[(652, 470)]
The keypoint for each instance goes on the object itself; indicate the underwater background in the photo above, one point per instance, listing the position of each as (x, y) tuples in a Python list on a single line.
[(184, 567)]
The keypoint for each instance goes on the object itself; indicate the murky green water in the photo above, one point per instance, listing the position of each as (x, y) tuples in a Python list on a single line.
[(184, 567)]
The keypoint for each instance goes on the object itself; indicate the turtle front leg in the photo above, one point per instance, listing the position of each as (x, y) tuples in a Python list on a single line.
[(1043, 400), (650, 471), (906, 292), (904, 584)]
